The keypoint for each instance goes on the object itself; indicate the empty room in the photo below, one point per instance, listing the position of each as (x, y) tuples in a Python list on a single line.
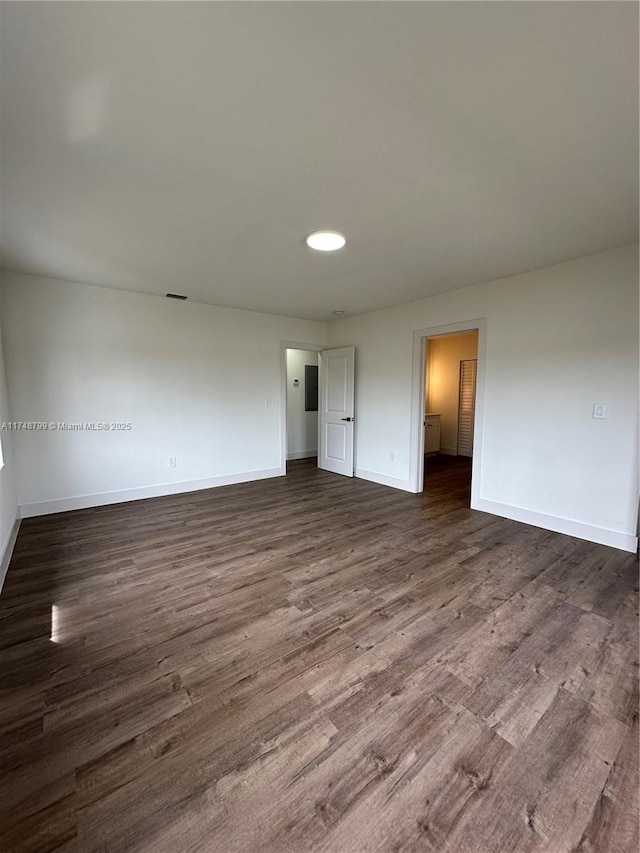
[(319, 371)]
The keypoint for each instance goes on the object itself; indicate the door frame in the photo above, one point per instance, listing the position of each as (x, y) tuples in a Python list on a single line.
[(419, 377), (284, 346)]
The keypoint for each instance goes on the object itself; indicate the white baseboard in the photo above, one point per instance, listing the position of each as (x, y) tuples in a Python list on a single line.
[(301, 454), (105, 498), (383, 479), (8, 546), (590, 532)]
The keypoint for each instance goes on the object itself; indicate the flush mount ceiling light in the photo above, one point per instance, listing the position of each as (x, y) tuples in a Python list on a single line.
[(325, 241)]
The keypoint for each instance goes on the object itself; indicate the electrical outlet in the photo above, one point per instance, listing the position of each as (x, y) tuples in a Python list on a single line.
[(392, 457), (172, 462), (267, 403)]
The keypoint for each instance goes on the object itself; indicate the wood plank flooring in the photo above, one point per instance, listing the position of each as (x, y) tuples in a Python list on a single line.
[(316, 664)]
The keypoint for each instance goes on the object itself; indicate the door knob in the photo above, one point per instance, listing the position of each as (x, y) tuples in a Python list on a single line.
[(347, 419)]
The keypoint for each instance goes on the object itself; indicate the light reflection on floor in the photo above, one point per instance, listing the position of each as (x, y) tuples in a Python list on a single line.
[(55, 624)]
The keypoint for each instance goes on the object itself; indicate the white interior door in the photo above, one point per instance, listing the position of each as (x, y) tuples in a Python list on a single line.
[(335, 434)]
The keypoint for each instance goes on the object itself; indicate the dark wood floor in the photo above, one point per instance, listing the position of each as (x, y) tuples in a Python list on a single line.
[(316, 663)]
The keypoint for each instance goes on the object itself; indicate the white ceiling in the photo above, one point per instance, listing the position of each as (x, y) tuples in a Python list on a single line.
[(189, 147)]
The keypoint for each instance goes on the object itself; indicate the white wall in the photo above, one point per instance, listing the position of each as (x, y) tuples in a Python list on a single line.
[(302, 427), (558, 340), (443, 382), (192, 380), (8, 496)]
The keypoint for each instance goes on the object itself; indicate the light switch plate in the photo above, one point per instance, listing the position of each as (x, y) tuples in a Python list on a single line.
[(599, 410)]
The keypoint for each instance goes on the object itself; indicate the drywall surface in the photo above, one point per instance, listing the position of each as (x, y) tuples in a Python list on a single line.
[(302, 427), (195, 382), (8, 494), (443, 382), (559, 340)]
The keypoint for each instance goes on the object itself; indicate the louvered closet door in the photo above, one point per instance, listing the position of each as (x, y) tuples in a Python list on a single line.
[(467, 406)]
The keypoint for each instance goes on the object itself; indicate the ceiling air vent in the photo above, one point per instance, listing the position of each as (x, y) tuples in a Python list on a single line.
[(176, 296)]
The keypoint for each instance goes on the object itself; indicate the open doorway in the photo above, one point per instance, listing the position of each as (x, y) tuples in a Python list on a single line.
[(302, 404), (317, 415), (441, 370), (450, 372)]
